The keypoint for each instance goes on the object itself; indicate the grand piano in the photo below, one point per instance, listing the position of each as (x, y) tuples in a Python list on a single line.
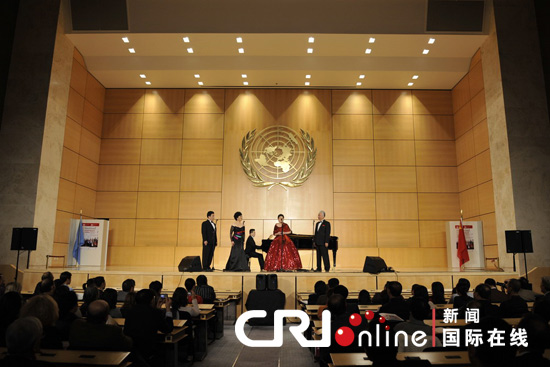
[(305, 242)]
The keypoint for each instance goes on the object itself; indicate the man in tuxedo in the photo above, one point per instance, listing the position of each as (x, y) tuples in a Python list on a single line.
[(209, 240), (251, 248), (321, 240)]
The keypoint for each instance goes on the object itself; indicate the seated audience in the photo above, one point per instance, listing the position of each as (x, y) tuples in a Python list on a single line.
[(67, 301), (462, 296), (100, 283), (204, 290), (65, 279), (13, 287), (538, 339), (438, 294), (484, 354), (127, 286), (180, 305), (10, 305), (95, 334), (190, 286), (351, 307), (364, 297), (46, 275), (90, 294), (381, 298), (129, 303), (515, 306), (420, 311), (396, 304), (45, 309), (419, 291), (156, 287), (542, 305), (496, 295), (319, 289), (23, 341), (526, 291), (331, 284), (2, 285), (47, 287), (144, 321), (110, 296), (482, 294)]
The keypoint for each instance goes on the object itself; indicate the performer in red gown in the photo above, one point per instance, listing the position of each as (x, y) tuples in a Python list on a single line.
[(288, 258)]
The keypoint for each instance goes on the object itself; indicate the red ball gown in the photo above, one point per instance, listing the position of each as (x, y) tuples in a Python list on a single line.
[(288, 258)]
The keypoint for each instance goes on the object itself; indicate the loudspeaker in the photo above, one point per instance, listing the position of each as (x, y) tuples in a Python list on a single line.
[(374, 265), (24, 239), (519, 242), (261, 282), (272, 283), (190, 263)]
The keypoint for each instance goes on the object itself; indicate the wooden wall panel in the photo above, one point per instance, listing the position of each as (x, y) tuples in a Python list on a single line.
[(489, 229), (397, 233), (467, 177), (161, 151), (201, 178), (158, 205), (427, 102), (92, 118), (160, 101), (189, 232), (354, 179), (465, 148), (202, 152), (352, 126), (124, 100), (469, 202), (433, 233), (394, 153), (420, 257), (120, 151), (69, 165), (62, 226), (118, 178), (194, 205), (65, 196), (90, 145), (354, 206), (435, 153), (437, 179), (141, 256), (483, 167), (87, 173), (162, 126), (352, 102), (463, 120), (392, 102), (393, 127), (479, 109), (355, 233), (78, 78), (159, 178), (396, 206), (395, 179), (486, 198), (461, 93), (476, 79), (75, 106), (72, 135), (122, 125), (433, 127), (353, 152), (84, 200), (204, 101), (116, 204), (122, 232), (203, 126), (155, 232), (481, 137), (438, 206), (95, 92)]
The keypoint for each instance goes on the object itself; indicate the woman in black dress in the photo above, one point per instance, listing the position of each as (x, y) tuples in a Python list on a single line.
[(237, 258)]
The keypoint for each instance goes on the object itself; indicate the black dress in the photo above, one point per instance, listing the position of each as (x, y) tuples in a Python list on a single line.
[(237, 258)]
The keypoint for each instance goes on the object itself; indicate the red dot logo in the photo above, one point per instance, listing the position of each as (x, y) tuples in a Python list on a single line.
[(355, 319), (369, 315), (382, 319), (344, 336), (387, 327)]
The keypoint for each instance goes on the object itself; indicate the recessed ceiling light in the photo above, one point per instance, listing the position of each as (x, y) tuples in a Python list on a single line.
[(311, 39), (358, 83), (415, 77), (426, 51), (431, 41), (132, 51), (200, 83), (186, 39), (190, 50), (368, 51), (309, 50), (308, 76), (125, 40), (245, 83), (372, 40), (148, 83), (239, 39), (362, 76), (306, 83), (142, 76), (244, 76), (241, 50), (197, 76), (410, 84)]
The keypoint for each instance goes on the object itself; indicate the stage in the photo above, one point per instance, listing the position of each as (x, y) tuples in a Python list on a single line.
[(291, 283)]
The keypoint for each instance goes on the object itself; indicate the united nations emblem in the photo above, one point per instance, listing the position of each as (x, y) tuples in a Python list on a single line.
[(277, 155)]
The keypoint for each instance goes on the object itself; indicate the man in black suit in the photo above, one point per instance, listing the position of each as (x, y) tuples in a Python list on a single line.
[(321, 240), (251, 248), (209, 240)]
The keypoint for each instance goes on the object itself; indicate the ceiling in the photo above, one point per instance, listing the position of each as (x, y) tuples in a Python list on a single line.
[(277, 60)]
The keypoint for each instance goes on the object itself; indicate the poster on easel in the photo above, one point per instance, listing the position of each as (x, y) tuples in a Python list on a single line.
[(473, 232), (94, 249)]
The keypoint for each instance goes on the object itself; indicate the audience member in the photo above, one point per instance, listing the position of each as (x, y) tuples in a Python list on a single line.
[(65, 279), (396, 304), (67, 302), (127, 286), (319, 289), (204, 290), (438, 294), (46, 275), (381, 298), (482, 294), (462, 296), (190, 286), (10, 305), (485, 354), (496, 295), (156, 287), (364, 297), (420, 311), (90, 294), (23, 341), (129, 303), (2, 285), (515, 306), (526, 291), (419, 291), (45, 309), (47, 287), (538, 339), (95, 334), (110, 296), (100, 283), (13, 287), (542, 305), (180, 305), (351, 307)]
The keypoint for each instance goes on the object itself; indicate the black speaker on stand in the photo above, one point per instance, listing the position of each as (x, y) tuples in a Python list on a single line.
[(518, 242), (23, 239), (190, 263), (374, 265)]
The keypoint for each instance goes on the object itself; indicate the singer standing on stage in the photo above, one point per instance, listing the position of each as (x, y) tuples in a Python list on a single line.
[(321, 240), (209, 240)]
